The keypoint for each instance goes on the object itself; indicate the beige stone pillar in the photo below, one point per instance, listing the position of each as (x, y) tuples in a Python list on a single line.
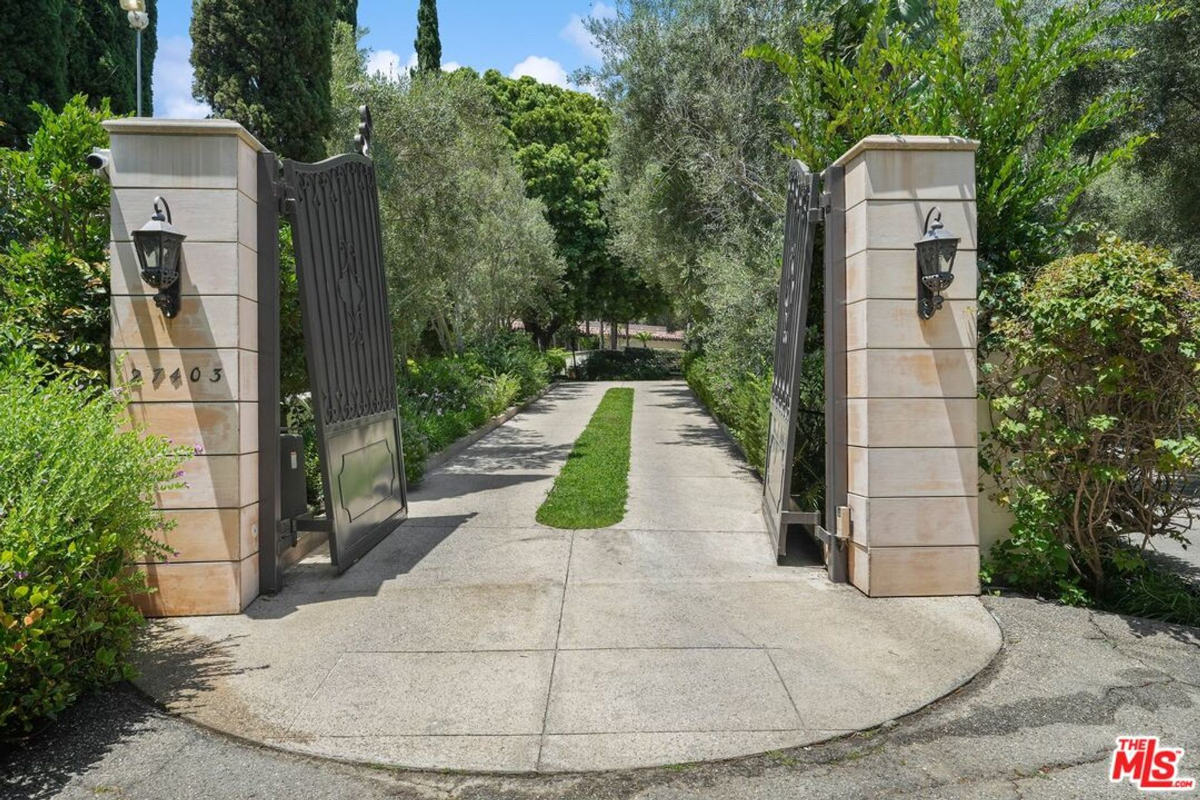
[(198, 371), (911, 384)]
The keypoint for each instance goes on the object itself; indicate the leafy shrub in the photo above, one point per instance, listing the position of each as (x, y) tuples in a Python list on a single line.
[(500, 390), (1096, 404), (54, 229), (743, 404), (516, 354), (641, 364), (443, 399), (75, 509), (556, 360)]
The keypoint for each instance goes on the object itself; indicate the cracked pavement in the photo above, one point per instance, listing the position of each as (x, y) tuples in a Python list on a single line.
[(1039, 722)]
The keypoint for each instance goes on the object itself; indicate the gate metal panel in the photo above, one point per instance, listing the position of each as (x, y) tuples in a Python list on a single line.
[(270, 548), (800, 223), (334, 210), (835, 542)]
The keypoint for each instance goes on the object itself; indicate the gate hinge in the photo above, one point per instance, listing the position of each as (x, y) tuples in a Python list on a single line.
[(284, 202), (816, 214)]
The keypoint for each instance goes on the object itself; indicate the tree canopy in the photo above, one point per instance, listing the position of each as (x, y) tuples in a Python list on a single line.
[(54, 49), (467, 253), (561, 141), (267, 65)]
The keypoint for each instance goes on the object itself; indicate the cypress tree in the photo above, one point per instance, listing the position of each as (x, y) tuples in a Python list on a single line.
[(267, 64), (347, 11), (429, 43), (102, 54), (33, 67)]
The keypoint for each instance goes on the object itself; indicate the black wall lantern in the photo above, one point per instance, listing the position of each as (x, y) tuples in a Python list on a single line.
[(158, 247), (935, 264)]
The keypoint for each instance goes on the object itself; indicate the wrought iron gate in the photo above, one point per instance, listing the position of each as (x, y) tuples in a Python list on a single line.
[(333, 207), (808, 206)]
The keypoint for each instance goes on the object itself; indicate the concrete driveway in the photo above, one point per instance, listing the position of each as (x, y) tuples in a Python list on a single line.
[(475, 639)]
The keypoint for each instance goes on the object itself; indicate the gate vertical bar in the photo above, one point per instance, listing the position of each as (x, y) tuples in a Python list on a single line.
[(836, 454), (270, 564)]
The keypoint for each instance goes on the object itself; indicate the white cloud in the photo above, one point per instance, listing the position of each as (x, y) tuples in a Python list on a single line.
[(388, 63), (577, 33), (545, 70), (173, 81)]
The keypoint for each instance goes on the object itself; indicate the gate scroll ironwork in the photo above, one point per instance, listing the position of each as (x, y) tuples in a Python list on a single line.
[(807, 207)]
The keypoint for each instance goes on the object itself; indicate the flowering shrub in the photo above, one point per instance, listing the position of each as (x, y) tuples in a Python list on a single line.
[(1096, 399), (75, 509)]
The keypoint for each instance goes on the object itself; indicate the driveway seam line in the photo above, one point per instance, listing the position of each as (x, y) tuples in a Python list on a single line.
[(537, 765), (783, 683), (300, 710)]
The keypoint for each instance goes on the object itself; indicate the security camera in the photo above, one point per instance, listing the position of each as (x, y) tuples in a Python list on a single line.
[(97, 160)]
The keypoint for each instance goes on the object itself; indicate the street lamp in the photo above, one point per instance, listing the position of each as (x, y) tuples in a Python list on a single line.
[(158, 246), (139, 20), (936, 252)]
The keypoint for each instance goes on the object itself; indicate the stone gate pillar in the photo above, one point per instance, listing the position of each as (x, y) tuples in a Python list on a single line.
[(198, 371), (912, 436)]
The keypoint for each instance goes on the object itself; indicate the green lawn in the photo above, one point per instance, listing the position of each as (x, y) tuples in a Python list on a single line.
[(590, 491)]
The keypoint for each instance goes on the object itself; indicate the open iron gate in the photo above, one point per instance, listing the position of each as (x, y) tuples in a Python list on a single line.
[(812, 198), (333, 207)]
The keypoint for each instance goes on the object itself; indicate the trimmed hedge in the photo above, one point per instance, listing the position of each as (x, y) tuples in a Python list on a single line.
[(633, 364)]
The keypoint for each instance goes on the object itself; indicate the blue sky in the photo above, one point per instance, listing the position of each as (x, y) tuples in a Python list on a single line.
[(542, 38)]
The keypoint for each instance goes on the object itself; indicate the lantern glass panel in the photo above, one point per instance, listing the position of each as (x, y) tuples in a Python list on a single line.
[(946, 253)]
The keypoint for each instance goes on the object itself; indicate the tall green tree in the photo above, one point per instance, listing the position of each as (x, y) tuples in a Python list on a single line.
[(347, 12), (698, 183), (466, 252), (429, 41), (33, 67), (561, 141), (267, 64), (102, 54)]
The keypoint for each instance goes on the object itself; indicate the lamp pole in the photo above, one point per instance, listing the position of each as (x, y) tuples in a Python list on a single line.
[(139, 20)]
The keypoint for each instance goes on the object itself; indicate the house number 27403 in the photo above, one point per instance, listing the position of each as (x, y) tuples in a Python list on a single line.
[(195, 375)]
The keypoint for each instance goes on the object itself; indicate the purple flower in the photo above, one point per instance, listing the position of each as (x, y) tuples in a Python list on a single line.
[(199, 448), (176, 554), (179, 473), (187, 485), (22, 576)]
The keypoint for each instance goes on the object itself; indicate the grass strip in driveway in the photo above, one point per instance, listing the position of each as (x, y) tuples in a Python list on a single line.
[(591, 490)]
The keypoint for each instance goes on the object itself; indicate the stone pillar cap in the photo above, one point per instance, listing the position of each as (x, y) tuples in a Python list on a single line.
[(148, 126), (900, 142)]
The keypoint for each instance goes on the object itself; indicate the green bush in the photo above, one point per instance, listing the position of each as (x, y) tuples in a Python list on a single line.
[(641, 364), (516, 354), (75, 509), (743, 404), (443, 399), (1096, 402), (500, 390), (54, 231), (556, 360)]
